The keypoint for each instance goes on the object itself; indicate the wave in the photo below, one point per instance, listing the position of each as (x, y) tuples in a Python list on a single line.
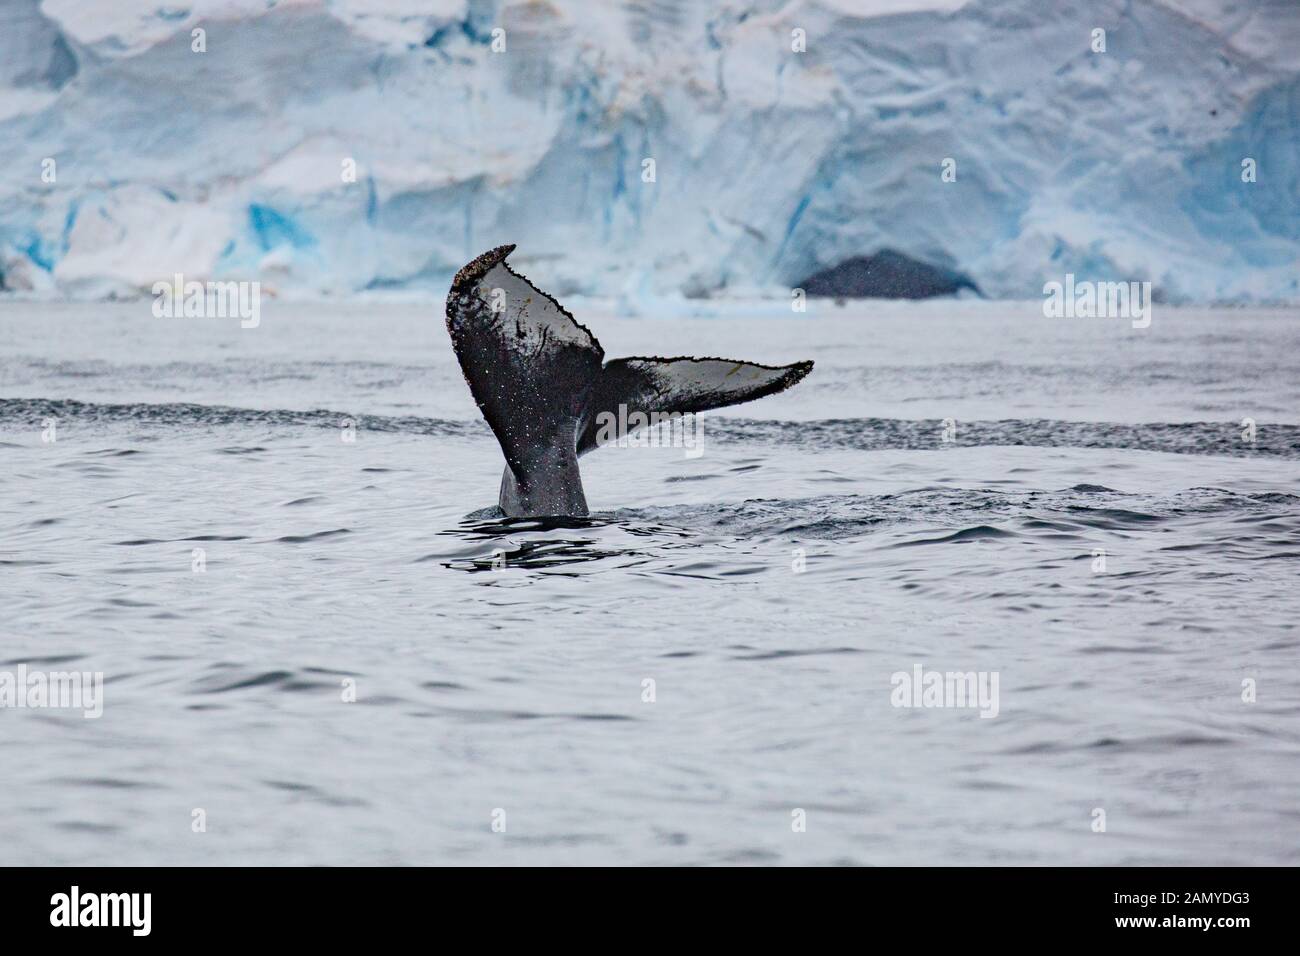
[(32, 412), (860, 434), (1067, 522), (961, 515)]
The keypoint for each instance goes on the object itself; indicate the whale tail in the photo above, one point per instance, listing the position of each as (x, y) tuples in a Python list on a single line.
[(540, 380)]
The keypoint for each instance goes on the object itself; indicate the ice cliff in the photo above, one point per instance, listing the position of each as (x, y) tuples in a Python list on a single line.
[(130, 155)]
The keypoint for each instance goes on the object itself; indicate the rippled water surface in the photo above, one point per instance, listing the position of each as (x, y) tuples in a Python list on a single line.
[(503, 665)]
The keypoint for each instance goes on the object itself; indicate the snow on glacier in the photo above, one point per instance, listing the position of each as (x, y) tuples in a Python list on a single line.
[(770, 165)]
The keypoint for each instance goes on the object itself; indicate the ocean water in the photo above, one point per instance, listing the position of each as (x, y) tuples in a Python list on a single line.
[(202, 532)]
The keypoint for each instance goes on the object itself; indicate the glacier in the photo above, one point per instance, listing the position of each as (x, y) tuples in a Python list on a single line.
[(655, 151)]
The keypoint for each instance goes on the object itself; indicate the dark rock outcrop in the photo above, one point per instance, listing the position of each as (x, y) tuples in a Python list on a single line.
[(885, 275)]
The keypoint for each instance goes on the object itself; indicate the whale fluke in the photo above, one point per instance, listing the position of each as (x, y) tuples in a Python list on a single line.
[(683, 385), (539, 377)]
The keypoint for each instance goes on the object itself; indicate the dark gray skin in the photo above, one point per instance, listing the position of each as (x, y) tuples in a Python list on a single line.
[(541, 381)]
